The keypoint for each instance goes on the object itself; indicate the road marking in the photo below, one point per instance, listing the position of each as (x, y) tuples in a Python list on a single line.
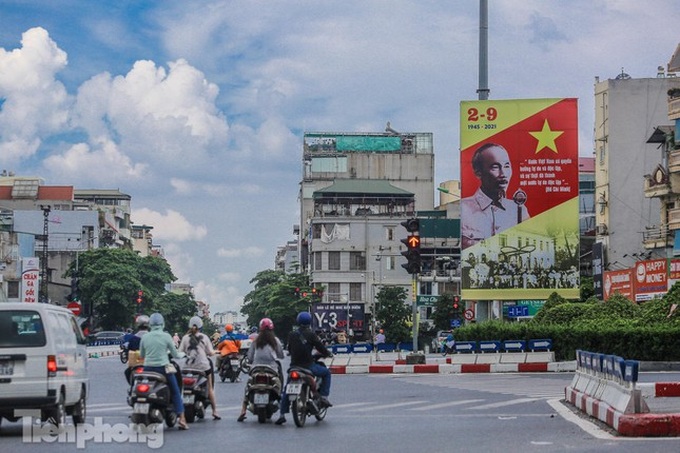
[(389, 406), (345, 406), (504, 403), (584, 424), (441, 405)]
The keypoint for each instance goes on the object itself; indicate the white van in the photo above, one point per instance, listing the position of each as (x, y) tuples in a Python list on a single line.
[(43, 362)]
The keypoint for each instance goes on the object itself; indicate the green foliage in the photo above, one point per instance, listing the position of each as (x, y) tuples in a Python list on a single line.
[(587, 288), (274, 297), (646, 331), (392, 313), (442, 312), (177, 310), (110, 280)]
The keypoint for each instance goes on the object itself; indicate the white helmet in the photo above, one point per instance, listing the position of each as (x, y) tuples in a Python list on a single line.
[(196, 321), (156, 319), (142, 321)]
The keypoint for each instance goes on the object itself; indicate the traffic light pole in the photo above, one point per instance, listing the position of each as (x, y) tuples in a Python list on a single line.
[(414, 311)]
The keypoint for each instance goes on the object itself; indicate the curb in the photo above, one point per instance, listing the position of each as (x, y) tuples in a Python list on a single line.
[(629, 425), (437, 368), (659, 389)]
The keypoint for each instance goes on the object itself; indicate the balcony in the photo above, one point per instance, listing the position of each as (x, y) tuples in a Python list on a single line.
[(656, 187), (674, 108), (674, 219), (656, 237), (674, 161)]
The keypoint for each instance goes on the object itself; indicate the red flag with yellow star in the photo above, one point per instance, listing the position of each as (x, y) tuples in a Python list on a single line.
[(519, 206)]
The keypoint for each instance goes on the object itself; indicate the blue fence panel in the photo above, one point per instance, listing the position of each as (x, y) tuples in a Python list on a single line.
[(341, 348), (386, 347), (632, 369), (362, 347), (405, 346), (514, 345), (540, 345), (465, 346), (489, 346)]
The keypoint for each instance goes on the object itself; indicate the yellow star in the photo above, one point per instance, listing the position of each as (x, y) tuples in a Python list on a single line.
[(546, 138)]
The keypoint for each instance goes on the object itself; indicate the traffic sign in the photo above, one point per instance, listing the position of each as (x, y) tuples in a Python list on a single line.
[(515, 311), (455, 323), (489, 346), (426, 300), (469, 314), (74, 307)]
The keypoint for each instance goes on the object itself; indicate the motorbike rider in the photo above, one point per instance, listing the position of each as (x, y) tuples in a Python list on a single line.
[(301, 342), (154, 349), (142, 323), (227, 344), (263, 351), (198, 348)]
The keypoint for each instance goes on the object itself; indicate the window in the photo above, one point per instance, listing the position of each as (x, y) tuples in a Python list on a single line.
[(355, 291), (317, 261), (12, 289), (357, 261), (389, 233), (21, 328), (333, 292), (333, 261)]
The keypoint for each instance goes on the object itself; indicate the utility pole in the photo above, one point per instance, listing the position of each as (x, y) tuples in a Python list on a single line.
[(44, 255), (483, 89)]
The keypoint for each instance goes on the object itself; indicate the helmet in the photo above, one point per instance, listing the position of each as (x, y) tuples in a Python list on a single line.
[(156, 319), (304, 318), (229, 328), (142, 321), (196, 321), (266, 324), (254, 329)]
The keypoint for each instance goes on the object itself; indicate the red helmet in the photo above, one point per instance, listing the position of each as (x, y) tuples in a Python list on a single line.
[(229, 328), (266, 324)]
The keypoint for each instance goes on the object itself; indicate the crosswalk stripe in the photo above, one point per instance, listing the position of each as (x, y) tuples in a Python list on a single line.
[(504, 403), (441, 405), (389, 406)]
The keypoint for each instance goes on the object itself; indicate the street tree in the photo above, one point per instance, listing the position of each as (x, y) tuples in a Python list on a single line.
[(177, 310), (110, 281), (274, 297), (393, 313)]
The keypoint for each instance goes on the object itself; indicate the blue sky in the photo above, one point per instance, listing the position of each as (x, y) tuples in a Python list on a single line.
[(197, 109)]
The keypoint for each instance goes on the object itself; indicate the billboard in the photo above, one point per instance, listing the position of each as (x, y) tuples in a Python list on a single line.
[(619, 281), (519, 206), (30, 279), (651, 279)]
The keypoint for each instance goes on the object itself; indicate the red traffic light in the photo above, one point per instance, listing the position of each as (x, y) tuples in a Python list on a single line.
[(411, 225), (456, 301)]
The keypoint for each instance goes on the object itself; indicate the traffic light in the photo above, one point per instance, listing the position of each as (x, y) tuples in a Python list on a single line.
[(140, 296), (297, 292), (456, 307), (75, 288), (412, 242)]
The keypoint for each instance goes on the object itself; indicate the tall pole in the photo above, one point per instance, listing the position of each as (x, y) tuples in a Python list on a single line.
[(43, 261), (483, 90), (414, 311)]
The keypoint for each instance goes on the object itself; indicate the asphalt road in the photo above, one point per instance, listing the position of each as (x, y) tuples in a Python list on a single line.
[(371, 413)]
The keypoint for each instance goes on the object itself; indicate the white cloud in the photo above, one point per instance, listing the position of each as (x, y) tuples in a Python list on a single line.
[(171, 226), (33, 103), (248, 252)]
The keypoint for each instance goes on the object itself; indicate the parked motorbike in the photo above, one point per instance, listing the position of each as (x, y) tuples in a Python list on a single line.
[(151, 398), (195, 393), (230, 367), (264, 392), (302, 390)]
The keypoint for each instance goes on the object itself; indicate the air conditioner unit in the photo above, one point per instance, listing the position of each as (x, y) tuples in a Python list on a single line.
[(601, 229)]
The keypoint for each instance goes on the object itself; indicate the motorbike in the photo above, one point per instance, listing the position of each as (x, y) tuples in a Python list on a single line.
[(123, 352), (230, 367), (151, 398), (245, 364), (264, 391), (195, 393), (302, 391)]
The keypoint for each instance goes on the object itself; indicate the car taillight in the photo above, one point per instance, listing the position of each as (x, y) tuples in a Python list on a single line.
[(261, 379), (294, 375), (142, 388), (51, 366), (188, 380)]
